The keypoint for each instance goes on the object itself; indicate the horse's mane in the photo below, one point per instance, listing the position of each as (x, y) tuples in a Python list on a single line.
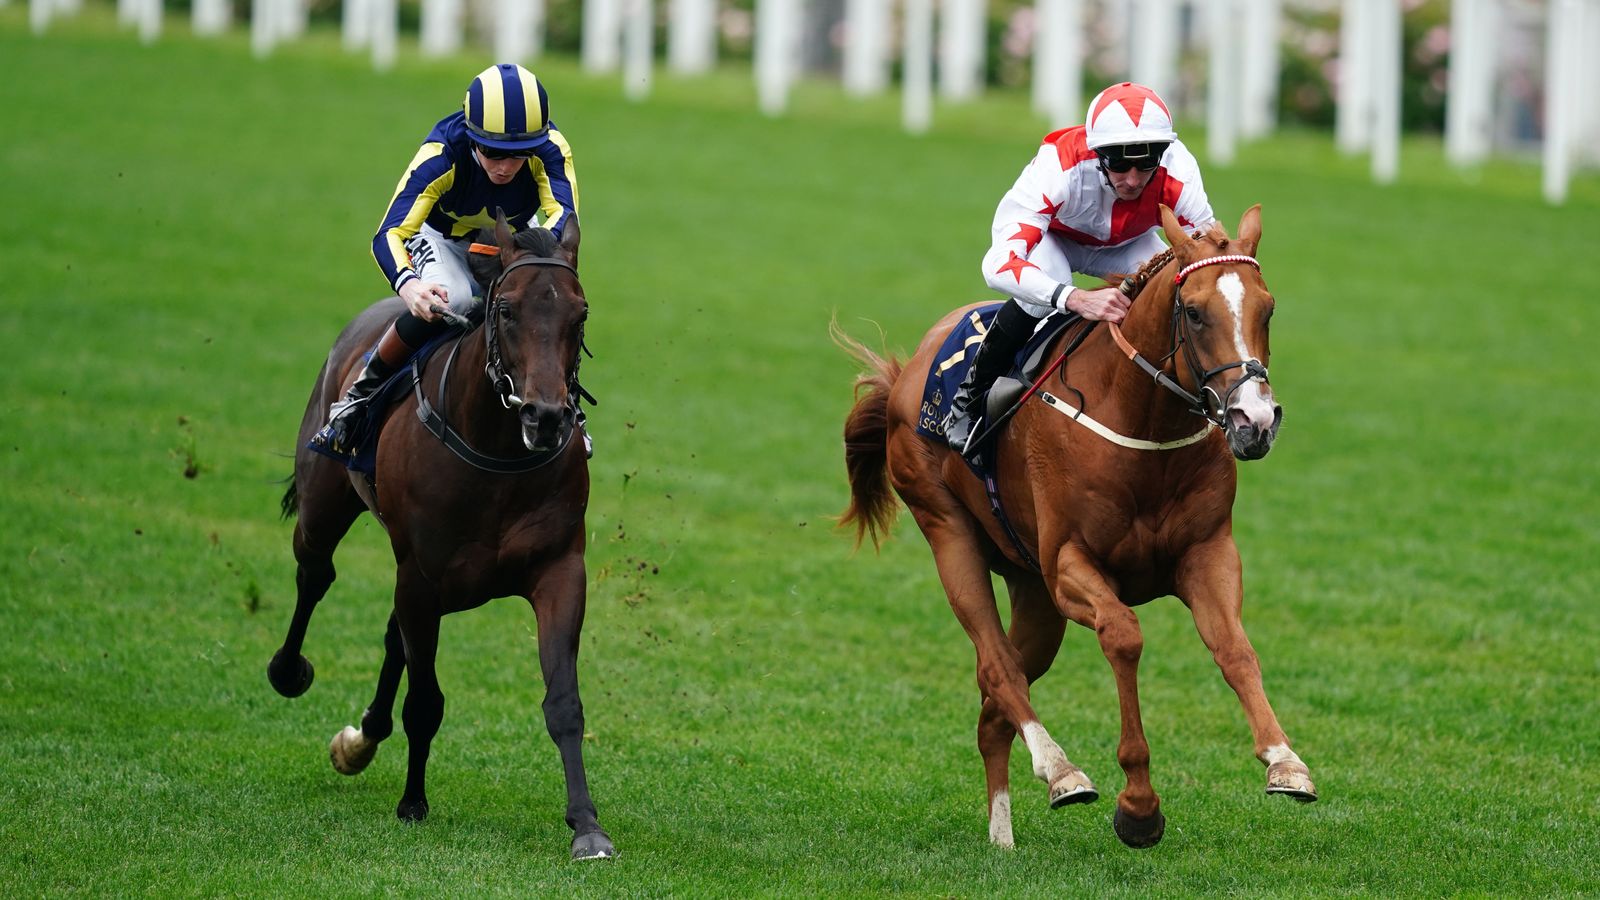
[(542, 241), (1133, 284)]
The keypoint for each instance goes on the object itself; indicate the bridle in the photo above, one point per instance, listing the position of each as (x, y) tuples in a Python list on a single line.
[(1201, 402), (494, 363), (499, 376)]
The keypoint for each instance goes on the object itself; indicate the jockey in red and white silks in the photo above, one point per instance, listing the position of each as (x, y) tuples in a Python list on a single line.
[(1088, 202)]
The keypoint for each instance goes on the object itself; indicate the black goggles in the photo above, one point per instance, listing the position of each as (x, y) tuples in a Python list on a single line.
[(1143, 157), (497, 153)]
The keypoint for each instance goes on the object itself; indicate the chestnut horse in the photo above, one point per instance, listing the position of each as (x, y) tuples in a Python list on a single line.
[(1117, 490), (471, 514)]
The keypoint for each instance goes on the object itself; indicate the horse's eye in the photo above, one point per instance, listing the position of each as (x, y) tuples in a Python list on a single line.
[(506, 311), (1193, 315)]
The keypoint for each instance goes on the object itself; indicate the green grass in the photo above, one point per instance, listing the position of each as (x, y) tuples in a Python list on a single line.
[(185, 230)]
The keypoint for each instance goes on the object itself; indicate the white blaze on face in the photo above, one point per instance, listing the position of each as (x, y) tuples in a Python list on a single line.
[(1000, 820), (1253, 397)]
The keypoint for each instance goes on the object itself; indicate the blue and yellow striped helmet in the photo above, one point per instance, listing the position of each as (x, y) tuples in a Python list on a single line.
[(507, 109)]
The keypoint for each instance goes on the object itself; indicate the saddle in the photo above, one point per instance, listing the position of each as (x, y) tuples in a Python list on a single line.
[(389, 394)]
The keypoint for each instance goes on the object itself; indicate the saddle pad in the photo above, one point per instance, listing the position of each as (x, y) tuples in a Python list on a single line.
[(955, 358), (383, 401)]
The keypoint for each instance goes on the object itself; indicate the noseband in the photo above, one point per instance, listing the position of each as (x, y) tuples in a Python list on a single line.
[(1198, 403), (494, 365)]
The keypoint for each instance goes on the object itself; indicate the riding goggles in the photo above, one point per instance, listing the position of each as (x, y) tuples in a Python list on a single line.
[(1143, 157), (497, 153)]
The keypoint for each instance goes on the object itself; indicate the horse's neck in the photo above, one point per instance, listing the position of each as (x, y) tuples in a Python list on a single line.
[(1143, 404)]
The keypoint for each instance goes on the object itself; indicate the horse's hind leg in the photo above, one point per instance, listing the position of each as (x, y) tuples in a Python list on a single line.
[(558, 603), (353, 748), (1210, 583), (1036, 631), (327, 508), (965, 576)]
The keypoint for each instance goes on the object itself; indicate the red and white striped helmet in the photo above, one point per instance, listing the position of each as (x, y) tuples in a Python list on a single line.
[(1127, 113)]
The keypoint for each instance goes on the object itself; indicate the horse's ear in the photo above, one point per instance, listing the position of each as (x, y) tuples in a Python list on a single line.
[(569, 239), (1250, 230), (503, 236), (1174, 231)]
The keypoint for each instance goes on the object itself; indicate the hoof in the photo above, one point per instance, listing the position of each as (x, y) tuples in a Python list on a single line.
[(593, 845), (350, 751), (412, 810), (1292, 779), (290, 677), (1139, 833), (1073, 787)]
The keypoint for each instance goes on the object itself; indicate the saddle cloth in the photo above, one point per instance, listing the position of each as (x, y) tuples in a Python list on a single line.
[(365, 436), (955, 358)]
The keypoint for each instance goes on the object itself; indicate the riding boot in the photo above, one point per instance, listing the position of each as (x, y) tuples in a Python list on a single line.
[(1008, 333), (345, 416)]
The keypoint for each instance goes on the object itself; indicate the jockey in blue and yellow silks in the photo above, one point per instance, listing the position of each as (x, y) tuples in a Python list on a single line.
[(500, 152)]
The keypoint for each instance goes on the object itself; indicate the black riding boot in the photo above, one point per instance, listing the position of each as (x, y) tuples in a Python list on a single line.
[(1010, 331), (345, 415)]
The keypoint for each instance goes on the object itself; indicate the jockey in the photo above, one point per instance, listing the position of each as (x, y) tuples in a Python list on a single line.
[(501, 151), (1088, 202)]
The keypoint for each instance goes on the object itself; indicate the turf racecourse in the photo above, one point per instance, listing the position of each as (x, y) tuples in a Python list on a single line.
[(769, 714)]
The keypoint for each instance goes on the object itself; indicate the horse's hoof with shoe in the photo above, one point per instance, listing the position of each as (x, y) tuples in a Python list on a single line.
[(1140, 834), (290, 676), (350, 751), (412, 810), (593, 845), (1073, 787), (1292, 779)]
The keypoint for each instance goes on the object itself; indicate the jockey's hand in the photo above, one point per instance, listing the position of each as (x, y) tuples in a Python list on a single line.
[(422, 296), (1105, 304)]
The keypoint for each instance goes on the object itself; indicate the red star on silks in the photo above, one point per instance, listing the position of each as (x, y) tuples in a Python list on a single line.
[(1049, 208), (1028, 235), (1015, 265)]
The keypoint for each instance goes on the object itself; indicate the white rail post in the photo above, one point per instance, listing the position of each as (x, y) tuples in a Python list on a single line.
[(149, 19), (777, 52), (639, 32), (1563, 67), (917, 67), (602, 35), (1260, 61), (866, 46), (1386, 43), (440, 29), (39, 14), (355, 24), (513, 31), (692, 36), (1154, 45), (961, 56), (1353, 106), (1058, 61), (1223, 75), (1469, 110), (211, 17), (385, 33)]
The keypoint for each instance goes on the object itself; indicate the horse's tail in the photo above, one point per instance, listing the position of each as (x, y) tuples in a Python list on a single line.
[(290, 504), (872, 506)]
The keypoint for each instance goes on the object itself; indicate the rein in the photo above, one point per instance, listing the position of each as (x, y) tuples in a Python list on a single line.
[(1197, 403), (499, 377)]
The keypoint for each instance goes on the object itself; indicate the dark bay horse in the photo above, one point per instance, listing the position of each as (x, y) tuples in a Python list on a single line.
[(476, 519), (1116, 489)]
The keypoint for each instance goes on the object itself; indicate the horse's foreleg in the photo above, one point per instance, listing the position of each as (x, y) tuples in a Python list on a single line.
[(1036, 630), (965, 577), (417, 613), (1210, 583), (1084, 593), (352, 749), (558, 601)]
